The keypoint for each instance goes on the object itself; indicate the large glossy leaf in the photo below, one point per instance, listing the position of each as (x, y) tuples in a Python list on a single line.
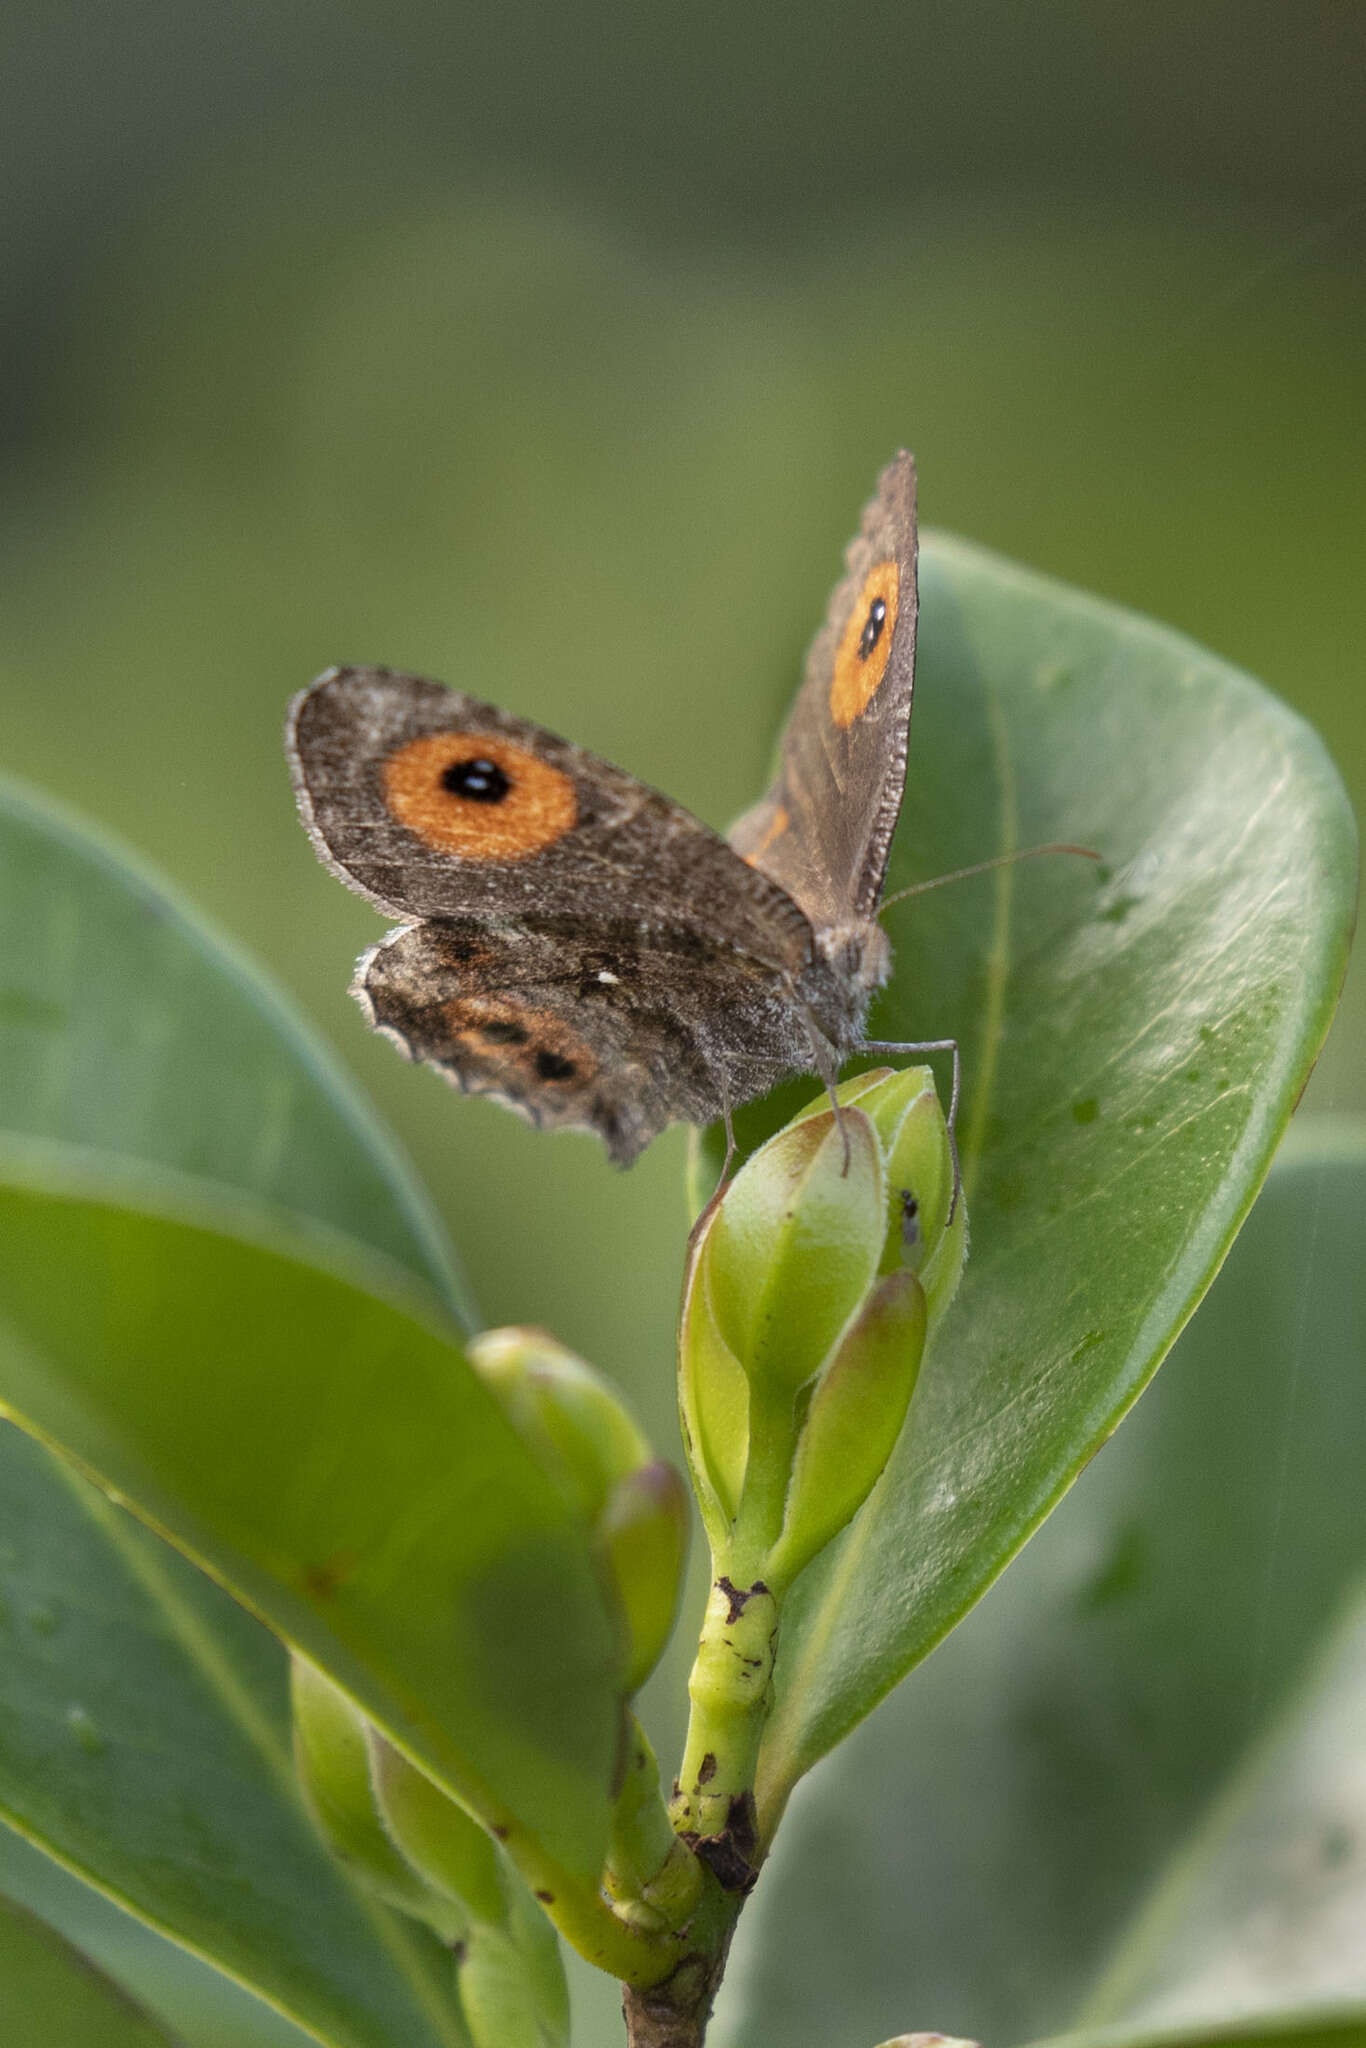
[(1266, 1910), (144, 1741), (128, 1026), (298, 1426), (1134, 1039), (51, 1993), (200, 2007), (1093, 1755)]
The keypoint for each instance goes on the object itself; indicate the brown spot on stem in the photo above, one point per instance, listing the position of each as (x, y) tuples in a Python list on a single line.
[(738, 1596)]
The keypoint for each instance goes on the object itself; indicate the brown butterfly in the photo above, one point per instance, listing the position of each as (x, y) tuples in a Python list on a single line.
[(579, 946)]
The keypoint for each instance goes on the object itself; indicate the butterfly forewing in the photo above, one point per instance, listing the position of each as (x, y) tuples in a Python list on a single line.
[(824, 830), (432, 804)]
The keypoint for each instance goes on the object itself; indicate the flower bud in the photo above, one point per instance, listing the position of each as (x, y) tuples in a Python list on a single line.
[(792, 1247), (450, 1851), (511, 1978), (812, 1281), (713, 1397), (931, 2041), (333, 1763), (642, 1536), (566, 1413), (852, 1424), (913, 1137), (634, 1506)]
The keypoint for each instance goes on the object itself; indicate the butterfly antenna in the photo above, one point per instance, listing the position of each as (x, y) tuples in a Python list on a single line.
[(982, 867)]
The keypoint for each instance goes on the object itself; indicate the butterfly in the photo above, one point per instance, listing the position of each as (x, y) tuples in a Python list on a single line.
[(579, 946)]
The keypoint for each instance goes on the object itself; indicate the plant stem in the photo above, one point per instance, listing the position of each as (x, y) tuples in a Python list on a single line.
[(674, 2014), (731, 1690), (651, 1876), (588, 1921)]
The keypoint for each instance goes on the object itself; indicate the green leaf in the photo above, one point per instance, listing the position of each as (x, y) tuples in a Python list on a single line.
[(1267, 1906), (1133, 1040), (198, 2005), (145, 1743), (52, 1993), (299, 1428), (1095, 1751), (128, 1026)]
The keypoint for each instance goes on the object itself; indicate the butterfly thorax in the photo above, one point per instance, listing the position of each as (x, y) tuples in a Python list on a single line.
[(850, 962)]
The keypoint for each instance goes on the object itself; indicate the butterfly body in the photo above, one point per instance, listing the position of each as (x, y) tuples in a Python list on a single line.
[(578, 945)]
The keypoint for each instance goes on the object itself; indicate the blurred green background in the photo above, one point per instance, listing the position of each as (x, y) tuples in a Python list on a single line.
[(553, 351)]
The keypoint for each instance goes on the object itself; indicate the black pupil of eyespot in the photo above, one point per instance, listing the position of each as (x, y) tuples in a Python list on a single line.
[(480, 780), (552, 1066), (872, 628)]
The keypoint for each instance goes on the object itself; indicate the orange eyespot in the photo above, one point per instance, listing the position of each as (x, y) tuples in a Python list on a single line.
[(506, 1034), (476, 795), (865, 644)]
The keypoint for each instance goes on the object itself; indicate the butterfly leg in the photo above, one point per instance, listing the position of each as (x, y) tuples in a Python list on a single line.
[(949, 1045), (730, 1127), (823, 1059)]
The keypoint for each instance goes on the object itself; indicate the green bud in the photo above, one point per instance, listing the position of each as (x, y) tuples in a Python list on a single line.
[(920, 1166), (634, 1505), (792, 1247), (812, 1281), (642, 1536), (852, 1424), (904, 1109), (567, 1413), (511, 1977), (713, 1396), (450, 1852), (512, 1987), (333, 1763)]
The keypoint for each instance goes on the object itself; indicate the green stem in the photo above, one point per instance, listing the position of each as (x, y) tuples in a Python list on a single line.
[(652, 1877), (588, 1921), (768, 1475), (731, 1691)]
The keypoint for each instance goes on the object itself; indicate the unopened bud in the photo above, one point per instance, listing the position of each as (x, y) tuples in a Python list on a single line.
[(852, 1424), (793, 1245), (511, 1979), (567, 1414), (713, 1396), (926, 1228), (642, 1536), (450, 1851), (332, 1758), (633, 1504), (812, 1281)]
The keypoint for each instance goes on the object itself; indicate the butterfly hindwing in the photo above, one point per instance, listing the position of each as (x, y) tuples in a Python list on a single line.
[(589, 1028)]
